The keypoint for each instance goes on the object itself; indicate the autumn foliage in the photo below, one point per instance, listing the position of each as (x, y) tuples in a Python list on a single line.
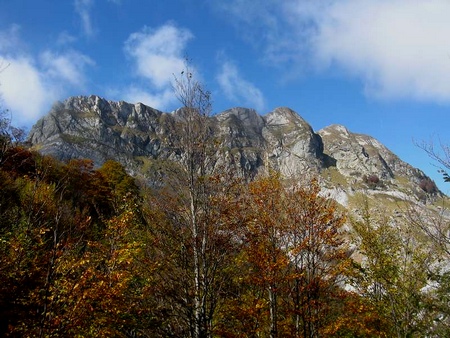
[(86, 252), (200, 250), (66, 248)]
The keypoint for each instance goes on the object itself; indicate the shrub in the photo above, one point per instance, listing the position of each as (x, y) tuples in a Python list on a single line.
[(428, 185), (372, 181)]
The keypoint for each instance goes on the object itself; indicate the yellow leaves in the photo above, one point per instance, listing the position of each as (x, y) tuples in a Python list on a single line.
[(65, 260), (43, 231)]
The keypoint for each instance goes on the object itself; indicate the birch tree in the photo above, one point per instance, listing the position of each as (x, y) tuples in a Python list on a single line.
[(191, 239)]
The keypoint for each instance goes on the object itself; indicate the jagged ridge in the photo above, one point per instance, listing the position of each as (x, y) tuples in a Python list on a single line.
[(95, 128)]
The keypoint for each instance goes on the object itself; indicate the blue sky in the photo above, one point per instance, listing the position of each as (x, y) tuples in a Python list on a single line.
[(379, 67)]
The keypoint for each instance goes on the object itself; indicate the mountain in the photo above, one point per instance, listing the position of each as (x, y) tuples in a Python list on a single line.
[(138, 136)]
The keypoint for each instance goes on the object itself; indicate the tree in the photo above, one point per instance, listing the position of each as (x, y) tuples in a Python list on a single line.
[(434, 226), (170, 263), (190, 237), (66, 268), (263, 236), (92, 287), (113, 177), (442, 158), (315, 243), (9, 134), (393, 273), (33, 241), (194, 144), (291, 261)]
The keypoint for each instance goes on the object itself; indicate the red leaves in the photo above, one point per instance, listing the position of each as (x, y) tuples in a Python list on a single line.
[(19, 161), (76, 260)]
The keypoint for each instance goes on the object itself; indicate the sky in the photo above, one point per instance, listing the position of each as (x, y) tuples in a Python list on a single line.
[(378, 67)]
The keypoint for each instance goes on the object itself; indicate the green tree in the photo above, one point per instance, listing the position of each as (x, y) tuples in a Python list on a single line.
[(118, 182), (393, 272), (434, 226)]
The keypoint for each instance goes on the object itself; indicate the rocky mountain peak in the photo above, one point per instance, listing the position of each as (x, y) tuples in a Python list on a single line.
[(285, 115), (244, 117), (358, 154), (133, 134), (335, 129)]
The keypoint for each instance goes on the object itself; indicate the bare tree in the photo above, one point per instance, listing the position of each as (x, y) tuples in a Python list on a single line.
[(191, 237), (193, 142), (441, 155)]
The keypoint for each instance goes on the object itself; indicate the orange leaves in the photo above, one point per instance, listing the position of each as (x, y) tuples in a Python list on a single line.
[(356, 318), (220, 256), (91, 287), (66, 258), (291, 258)]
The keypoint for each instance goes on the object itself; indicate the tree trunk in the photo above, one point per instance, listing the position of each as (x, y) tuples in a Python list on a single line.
[(273, 312)]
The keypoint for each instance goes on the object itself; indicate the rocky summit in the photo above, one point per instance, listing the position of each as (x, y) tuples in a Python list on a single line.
[(138, 136)]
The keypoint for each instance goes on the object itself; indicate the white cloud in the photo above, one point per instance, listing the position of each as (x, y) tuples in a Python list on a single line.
[(159, 100), (9, 39), (69, 66), (397, 48), (266, 25), (156, 55), (29, 85), (24, 91), (238, 89), (64, 38), (83, 9)]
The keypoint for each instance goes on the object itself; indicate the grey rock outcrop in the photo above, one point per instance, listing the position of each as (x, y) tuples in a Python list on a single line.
[(92, 127), (134, 134), (293, 146), (356, 155)]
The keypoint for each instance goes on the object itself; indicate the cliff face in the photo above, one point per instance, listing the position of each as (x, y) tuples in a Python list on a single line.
[(91, 127), (357, 154)]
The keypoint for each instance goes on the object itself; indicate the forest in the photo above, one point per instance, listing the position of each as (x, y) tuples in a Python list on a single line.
[(95, 252)]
